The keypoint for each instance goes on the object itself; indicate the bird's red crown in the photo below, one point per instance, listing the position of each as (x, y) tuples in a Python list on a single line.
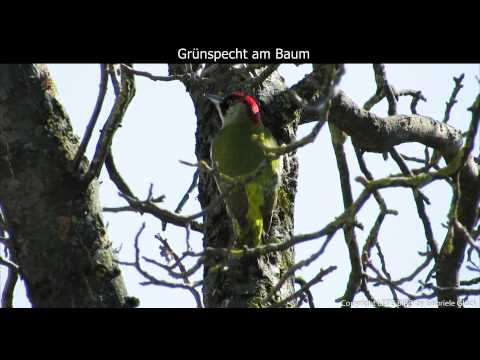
[(249, 101)]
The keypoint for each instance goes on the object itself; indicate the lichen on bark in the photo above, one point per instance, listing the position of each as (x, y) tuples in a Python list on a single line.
[(245, 282), (57, 235)]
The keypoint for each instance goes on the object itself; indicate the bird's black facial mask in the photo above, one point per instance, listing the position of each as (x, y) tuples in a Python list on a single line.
[(228, 101)]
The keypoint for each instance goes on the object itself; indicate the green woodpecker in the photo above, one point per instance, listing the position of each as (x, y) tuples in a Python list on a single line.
[(237, 152)]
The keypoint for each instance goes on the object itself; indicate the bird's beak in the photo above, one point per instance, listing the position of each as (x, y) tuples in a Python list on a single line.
[(216, 99)]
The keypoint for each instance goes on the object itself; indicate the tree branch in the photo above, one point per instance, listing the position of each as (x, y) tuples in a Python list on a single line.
[(355, 278), (373, 133), (127, 91), (10, 282), (259, 79), (93, 120), (452, 100)]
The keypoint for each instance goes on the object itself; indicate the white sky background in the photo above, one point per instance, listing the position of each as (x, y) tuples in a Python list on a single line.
[(159, 129)]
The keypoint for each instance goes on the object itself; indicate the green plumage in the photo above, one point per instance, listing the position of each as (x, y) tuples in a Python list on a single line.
[(237, 154)]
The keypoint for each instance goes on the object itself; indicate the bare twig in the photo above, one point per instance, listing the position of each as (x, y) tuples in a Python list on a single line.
[(122, 101), (383, 89), (115, 175), (149, 207), (93, 119), (381, 256), (372, 238), (152, 77), (419, 201), (470, 282), (173, 254), (417, 271), (416, 97), (381, 279), (113, 77), (185, 197), (258, 80), (355, 278), (452, 101), (316, 279), (153, 280), (296, 267), (456, 290), (459, 227), (10, 282), (386, 90), (308, 293), (368, 176), (472, 131)]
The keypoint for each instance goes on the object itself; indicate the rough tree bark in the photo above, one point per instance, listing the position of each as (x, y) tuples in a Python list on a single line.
[(245, 282), (57, 236)]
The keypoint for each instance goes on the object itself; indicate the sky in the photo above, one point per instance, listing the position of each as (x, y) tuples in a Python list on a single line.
[(158, 130)]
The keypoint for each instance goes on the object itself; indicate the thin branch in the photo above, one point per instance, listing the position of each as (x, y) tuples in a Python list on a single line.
[(381, 279), (113, 77), (149, 207), (168, 250), (368, 176), (308, 293), (416, 97), (184, 273), (372, 238), (415, 272), (146, 206), (419, 199), (275, 152), (234, 183), (472, 130), (296, 267), (368, 295), (384, 89), (459, 227), (119, 108), (316, 279), (115, 176), (93, 119), (259, 79), (153, 280), (10, 282), (470, 282), (452, 101), (152, 77), (381, 256), (185, 197), (420, 161), (454, 289), (355, 278)]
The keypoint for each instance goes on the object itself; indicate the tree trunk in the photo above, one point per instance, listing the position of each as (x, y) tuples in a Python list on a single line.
[(57, 236), (245, 282)]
